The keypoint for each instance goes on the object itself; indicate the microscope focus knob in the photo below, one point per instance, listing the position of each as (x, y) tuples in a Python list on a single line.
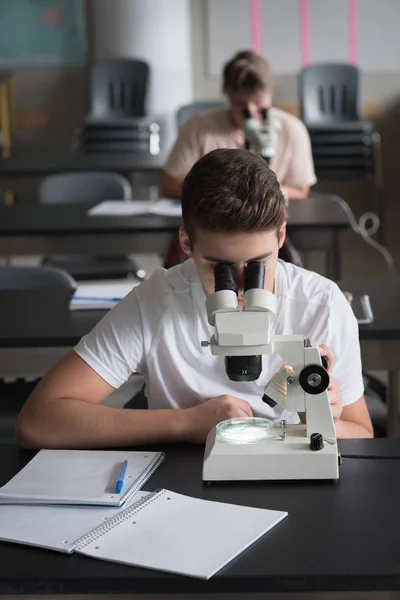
[(316, 441), (314, 379)]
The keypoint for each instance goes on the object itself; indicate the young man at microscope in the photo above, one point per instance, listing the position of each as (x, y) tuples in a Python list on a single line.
[(247, 83), (233, 211)]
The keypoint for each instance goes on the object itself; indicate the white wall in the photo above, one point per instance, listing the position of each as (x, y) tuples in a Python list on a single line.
[(204, 86), (207, 87), (157, 31), (377, 86)]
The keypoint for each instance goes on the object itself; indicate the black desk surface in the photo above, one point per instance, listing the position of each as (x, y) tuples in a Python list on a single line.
[(72, 219), (18, 328), (336, 537), (38, 164), (318, 212)]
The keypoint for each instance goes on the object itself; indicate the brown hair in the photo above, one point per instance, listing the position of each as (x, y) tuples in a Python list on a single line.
[(247, 72), (232, 191)]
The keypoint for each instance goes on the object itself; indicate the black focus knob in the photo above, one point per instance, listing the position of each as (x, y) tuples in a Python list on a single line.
[(314, 379), (316, 441)]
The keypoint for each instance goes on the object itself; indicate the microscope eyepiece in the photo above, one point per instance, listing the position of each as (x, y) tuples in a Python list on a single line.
[(224, 278), (264, 113), (246, 113), (255, 275), (240, 368)]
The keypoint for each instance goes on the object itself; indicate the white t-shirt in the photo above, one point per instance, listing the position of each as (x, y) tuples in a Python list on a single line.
[(158, 328)]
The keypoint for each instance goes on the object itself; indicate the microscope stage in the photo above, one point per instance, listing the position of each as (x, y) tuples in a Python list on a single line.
[(274, 458)]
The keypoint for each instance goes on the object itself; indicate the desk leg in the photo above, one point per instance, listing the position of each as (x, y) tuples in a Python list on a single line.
[(393, 403)]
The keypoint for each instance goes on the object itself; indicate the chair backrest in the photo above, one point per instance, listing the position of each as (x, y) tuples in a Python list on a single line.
[(118, 88), (85, 186), (35, 278), (30, 296), (329, 93), (191, 110)]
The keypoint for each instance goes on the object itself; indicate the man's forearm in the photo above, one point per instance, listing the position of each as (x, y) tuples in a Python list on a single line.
[(348, 429), (66, 423), (296, 193)]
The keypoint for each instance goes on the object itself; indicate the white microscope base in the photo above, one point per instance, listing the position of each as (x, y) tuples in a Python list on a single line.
[(270, 459)]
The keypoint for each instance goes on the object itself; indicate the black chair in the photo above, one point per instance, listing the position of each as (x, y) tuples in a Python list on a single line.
[(188, 111), (118, 89), (330, 108), (35, 278), (68, 188), (138, 401), (34, 282), (329, 95), (344, 145), (117, 121)]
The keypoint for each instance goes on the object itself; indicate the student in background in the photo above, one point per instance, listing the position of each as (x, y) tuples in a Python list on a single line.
[(233, 211), (247, 84)]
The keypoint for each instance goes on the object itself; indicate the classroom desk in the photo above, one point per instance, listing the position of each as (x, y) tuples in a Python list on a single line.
[(66, 229), (380, 341), (45, 164), (336, 538)]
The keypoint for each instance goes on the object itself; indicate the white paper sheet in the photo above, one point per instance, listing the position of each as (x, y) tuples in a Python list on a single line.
[(119, 208), (90, 296), (164, 207), (53, 527), (183, 535)]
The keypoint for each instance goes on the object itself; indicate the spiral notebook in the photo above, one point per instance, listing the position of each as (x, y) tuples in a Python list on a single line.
[(162, 530), (54, 527), (80, 477)]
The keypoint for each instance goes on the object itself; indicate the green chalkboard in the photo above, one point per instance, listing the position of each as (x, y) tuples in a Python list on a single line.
[(42, 32)]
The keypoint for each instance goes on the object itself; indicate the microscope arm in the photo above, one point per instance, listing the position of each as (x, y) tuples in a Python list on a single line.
[(301, 384)]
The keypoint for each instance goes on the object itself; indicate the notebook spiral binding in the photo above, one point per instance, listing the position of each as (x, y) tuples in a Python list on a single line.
[(108, 525), (142, 479)]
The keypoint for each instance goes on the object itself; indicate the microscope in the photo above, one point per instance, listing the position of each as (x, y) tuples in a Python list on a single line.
[(297, 452), (261, 136)]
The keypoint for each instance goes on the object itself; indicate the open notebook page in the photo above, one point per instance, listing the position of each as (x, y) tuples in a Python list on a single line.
[(53, 527), (176, 533)]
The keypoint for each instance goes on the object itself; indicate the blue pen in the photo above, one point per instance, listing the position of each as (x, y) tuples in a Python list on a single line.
[(121, 477)]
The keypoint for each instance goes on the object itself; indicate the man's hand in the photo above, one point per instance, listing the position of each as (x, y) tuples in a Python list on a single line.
[(327, 352), (335, 399), (199, 420), (334, 393)]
